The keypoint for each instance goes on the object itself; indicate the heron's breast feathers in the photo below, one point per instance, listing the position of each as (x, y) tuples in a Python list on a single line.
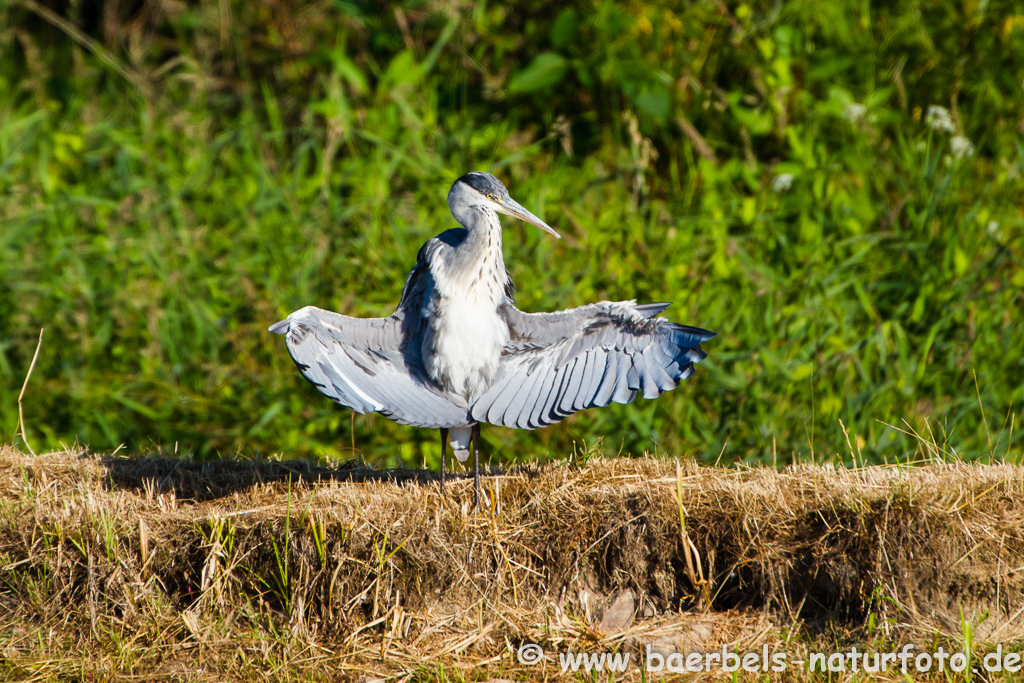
[(465, 332)]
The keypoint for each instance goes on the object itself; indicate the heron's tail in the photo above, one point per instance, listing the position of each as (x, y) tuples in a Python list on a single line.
[(459, 437)]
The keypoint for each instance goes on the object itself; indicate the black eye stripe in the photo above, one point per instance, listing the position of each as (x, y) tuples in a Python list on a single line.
[(484, 183)]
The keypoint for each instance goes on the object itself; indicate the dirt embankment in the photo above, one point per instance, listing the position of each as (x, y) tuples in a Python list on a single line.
[(159, 567)]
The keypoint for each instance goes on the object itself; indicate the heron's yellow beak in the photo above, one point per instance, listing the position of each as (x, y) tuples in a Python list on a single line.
[(511, 207)]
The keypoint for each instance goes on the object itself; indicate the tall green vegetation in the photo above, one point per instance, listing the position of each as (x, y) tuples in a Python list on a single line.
[(174, 177)]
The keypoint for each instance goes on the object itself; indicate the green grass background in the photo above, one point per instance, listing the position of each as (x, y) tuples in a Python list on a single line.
[(174, 177)]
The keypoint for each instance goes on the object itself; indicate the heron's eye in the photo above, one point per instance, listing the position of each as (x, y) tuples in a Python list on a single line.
[(492, 197)]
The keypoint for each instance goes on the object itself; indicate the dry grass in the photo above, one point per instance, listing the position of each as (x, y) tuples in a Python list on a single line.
[(154, 568)]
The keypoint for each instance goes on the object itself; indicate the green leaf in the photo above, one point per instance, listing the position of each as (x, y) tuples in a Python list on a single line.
[(347, 69), (756, 121), (546, 70), (563, 31), (135, 406), (653, 99), (802, 372), (401, 70)]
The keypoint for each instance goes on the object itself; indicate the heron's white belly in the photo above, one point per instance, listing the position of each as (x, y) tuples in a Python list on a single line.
[(468, 337)]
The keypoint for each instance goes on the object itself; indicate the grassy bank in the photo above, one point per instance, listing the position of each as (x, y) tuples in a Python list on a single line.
[(154, 569), (173, 179)]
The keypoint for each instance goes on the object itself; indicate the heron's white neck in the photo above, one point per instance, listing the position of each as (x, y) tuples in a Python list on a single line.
[(468, 333), (477, 266)]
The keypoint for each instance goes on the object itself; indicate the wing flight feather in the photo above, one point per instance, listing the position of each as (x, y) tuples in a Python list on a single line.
[(558, 363), (363, 363)]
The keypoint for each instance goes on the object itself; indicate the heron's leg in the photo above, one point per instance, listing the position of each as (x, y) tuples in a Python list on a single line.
[(444, 451), (476, 464)]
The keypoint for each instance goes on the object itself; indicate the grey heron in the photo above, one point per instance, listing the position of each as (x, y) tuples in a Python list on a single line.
[(457, 352)]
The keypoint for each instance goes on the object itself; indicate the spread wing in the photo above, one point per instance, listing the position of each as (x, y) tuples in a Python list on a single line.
[(375, 363), (558, 363)]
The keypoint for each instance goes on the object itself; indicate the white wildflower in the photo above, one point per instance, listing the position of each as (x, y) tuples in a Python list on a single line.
[(961, 147), (939, 120), (854, 112), (993, 229), (782, 182)]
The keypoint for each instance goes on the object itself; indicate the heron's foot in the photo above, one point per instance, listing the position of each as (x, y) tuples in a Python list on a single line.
[(444, 452)]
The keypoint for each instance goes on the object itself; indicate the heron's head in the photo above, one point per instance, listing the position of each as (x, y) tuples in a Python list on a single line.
[(483, 189)]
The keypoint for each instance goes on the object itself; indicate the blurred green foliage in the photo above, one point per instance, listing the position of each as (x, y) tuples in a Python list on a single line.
[(174, 177)]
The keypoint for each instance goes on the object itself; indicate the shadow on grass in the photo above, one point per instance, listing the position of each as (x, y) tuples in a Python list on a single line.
[(212, 479)]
